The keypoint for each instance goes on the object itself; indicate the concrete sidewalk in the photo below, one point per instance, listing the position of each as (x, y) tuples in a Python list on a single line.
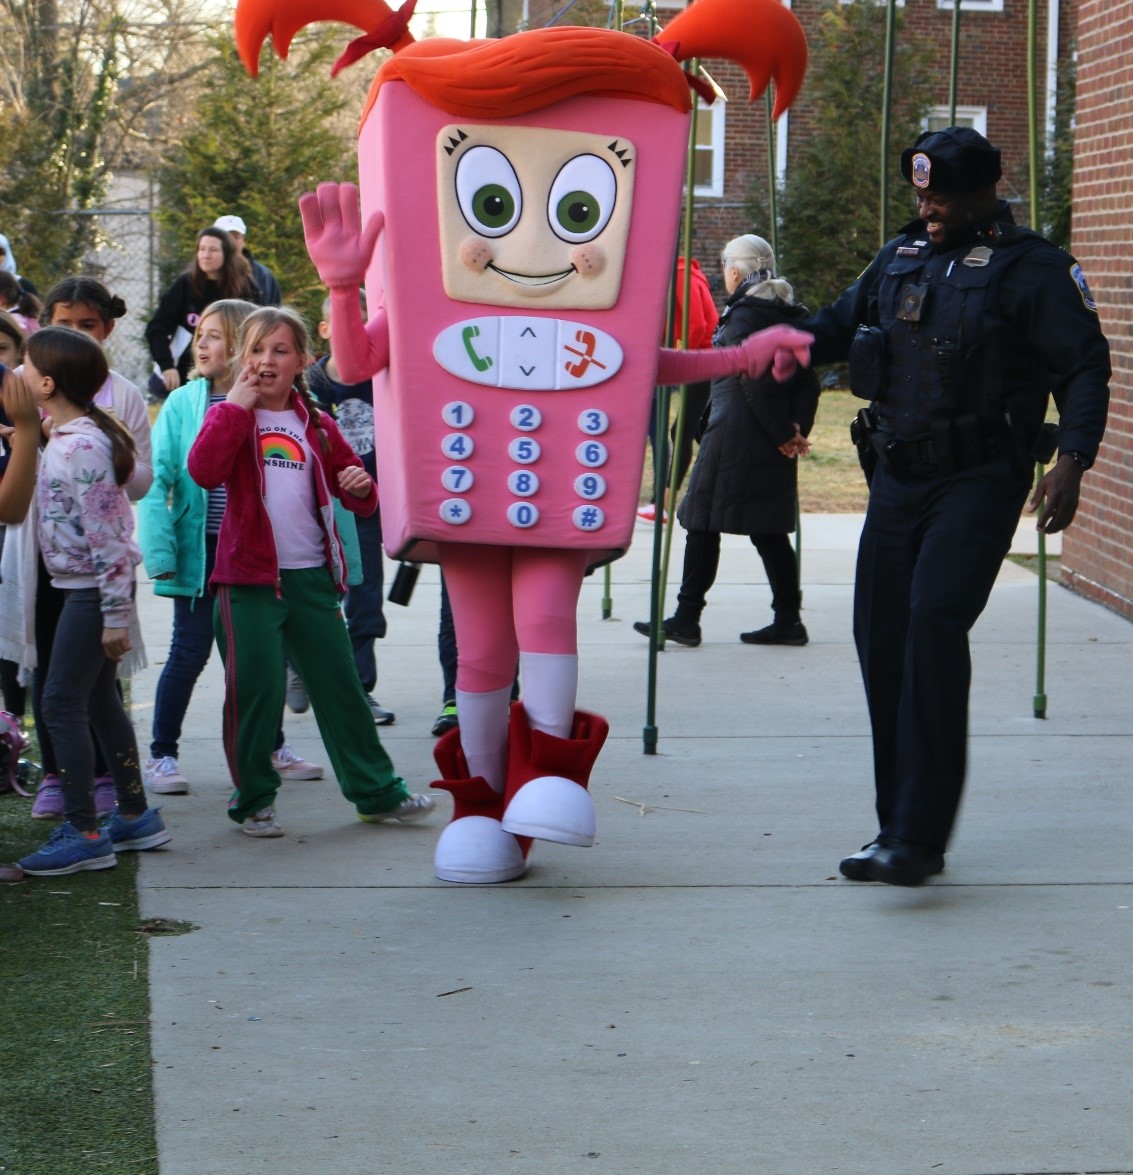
[(699, 992)]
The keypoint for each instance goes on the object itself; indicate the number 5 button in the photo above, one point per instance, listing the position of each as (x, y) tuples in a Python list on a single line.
[(524, 450)]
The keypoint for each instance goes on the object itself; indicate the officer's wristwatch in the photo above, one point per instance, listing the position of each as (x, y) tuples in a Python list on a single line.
[(1080, 459)]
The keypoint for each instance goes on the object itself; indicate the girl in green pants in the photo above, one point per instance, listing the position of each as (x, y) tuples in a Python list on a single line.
[(280, 573)]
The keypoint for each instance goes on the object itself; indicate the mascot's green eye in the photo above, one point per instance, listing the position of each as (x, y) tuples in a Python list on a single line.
[(582, 199), (488, 191), (578, 212), (493, 206)]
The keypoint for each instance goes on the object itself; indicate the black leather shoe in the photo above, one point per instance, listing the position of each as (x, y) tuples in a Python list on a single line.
[(856, 866), (900, 862), (681, 634), (777, 634)]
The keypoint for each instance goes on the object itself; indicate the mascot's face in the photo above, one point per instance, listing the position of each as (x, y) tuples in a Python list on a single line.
[(533, 217)]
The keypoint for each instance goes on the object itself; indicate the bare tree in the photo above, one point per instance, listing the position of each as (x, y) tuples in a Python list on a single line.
[(83, 84)]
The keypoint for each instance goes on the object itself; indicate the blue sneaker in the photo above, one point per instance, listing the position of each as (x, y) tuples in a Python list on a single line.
[(67, 850), (146, 831)]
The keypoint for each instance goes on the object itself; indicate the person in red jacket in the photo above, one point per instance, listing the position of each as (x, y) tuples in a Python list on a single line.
[(702, 319), (280, 574)]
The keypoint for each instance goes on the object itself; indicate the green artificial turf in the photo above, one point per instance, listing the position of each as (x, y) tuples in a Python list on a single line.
[(76, 1091)]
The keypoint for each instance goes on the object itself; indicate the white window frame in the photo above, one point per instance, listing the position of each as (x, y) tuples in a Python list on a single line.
[(972, 5), (973, 116), (715, 113)]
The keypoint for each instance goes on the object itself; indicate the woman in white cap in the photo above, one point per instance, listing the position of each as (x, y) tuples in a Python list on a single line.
[(234, 226)]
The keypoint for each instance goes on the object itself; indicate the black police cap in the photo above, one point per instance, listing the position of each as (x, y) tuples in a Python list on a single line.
[(956, 159)]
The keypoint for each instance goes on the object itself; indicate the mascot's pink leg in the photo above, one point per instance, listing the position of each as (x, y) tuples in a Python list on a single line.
[(551, 748), (473, 848)]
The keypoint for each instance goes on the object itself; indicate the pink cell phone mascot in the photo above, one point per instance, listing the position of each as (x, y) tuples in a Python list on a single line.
[(520, 200)]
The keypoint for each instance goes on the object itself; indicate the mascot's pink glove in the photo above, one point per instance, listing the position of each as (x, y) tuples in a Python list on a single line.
[(341, 250), (780, 348)]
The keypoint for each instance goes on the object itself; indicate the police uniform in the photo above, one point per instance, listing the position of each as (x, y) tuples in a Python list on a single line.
[(958, 351)]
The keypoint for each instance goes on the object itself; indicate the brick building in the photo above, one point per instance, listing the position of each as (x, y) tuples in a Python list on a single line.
[(1097, 551)]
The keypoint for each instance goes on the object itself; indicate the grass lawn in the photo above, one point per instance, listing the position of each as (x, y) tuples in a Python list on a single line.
[(77, 1093)]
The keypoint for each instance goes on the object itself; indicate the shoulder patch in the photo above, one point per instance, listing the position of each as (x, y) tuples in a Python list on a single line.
[(1079, 279)]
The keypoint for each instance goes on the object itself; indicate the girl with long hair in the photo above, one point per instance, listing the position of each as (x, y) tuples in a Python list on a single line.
[(86, 527), (32, 606)]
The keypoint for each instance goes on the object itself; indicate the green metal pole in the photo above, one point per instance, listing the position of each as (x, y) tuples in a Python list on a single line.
[(955, 71), (773, 206), (607, 597), (686, 248), (772, 178), (1039, 701), (886, 104), (656, 585)]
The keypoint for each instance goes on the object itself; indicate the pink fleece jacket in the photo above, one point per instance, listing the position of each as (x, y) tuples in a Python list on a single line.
[(227, 452)]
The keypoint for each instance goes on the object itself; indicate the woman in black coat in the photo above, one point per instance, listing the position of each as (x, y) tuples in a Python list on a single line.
[(745, 480), (218, 270)]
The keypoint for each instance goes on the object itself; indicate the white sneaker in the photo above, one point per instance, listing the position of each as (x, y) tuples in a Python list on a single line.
[(163, 777), (289, 765), (414, 808), (262, 824)]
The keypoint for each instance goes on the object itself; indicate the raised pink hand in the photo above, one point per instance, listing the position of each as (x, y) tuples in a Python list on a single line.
[(332, 227)]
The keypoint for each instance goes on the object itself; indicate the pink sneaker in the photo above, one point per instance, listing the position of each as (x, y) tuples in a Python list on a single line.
[(48, 803), (648, 513), (105, 795)]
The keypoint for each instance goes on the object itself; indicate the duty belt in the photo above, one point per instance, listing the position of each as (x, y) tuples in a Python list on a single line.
[(950, 446)]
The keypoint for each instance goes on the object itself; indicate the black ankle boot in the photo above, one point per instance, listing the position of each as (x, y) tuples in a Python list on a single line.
[(777, 634), (679, 631)]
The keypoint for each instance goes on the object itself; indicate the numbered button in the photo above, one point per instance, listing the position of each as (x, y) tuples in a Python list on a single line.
[(458, 414), (524, 450), (590, 486), (457, 446), (591, 454), (594, 422), (526, 417), (459, 480), (523, 483), (588, 517), (523, 514), (455, 511)]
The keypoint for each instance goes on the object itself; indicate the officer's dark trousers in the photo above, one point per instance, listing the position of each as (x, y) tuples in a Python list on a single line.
[(929, 554)]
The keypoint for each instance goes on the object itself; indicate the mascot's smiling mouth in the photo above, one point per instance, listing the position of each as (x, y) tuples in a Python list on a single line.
[(526, 279)]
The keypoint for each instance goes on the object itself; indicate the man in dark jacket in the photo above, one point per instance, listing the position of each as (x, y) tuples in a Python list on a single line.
[(270, 293), (957, 333)]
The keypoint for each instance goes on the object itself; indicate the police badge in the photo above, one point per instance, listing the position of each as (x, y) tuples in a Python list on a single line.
[(922, 170)]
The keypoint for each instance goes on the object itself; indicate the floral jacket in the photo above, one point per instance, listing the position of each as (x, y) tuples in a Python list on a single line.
[(86, 525)]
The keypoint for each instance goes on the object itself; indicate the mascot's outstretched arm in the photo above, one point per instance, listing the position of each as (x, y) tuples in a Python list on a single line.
[(341, 250), (780, 348)]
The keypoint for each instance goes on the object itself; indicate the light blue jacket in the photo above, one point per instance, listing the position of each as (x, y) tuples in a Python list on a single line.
[(171, 517)]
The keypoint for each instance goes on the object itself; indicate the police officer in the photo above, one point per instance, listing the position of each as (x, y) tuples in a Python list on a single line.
[(957, 333)]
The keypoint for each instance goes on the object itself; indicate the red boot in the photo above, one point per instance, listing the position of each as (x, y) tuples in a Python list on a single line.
[(546, 794), (474, 849)]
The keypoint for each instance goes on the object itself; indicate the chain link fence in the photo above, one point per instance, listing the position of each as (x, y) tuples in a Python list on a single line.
[(125, 261)]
